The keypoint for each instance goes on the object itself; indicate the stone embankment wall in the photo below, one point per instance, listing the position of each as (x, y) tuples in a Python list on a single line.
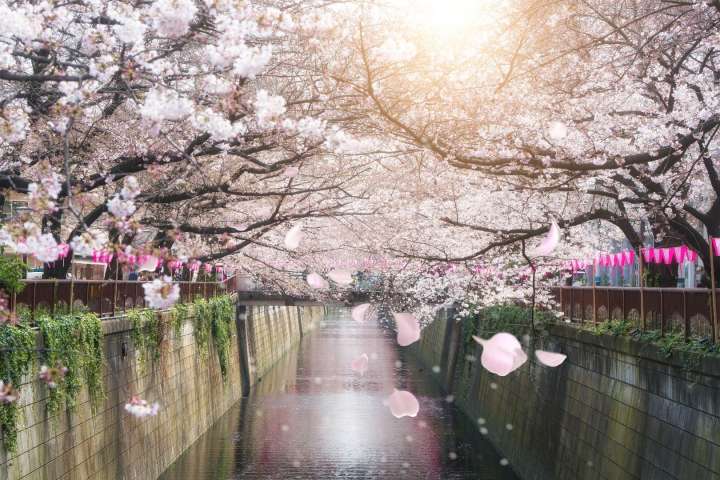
[(106, 443), (616, 409)]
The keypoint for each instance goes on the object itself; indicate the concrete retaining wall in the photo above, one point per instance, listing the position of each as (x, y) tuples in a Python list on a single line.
[(616, 409), (110, 444)]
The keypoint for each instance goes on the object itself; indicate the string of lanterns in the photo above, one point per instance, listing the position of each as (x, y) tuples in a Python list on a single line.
[(658, 255), (107, 256)]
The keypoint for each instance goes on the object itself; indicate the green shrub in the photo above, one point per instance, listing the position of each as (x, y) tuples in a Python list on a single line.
[(12, 271)]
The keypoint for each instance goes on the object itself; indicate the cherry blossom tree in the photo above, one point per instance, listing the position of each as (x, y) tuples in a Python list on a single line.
[(197, 122), (583, 112)]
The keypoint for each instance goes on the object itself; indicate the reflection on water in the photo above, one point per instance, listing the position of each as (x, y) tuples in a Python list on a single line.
[(313, 418)]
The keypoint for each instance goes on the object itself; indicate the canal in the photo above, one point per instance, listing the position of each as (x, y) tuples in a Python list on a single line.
[(312, 417)]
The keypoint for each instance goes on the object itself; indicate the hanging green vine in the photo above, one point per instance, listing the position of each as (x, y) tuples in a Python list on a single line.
[(213, 318), (179, 314), (222, 317), (147, 333), (75, 341), (202, 325), (17, 347)]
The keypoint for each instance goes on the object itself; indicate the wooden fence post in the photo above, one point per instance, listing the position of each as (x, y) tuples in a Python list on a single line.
[(643, 323), (713, 298)]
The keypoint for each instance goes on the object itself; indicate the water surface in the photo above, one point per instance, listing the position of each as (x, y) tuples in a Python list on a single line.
[(312, 417)]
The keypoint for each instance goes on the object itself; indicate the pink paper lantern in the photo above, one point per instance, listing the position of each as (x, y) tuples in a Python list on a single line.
[(657, 255), (667, 255), (208, 268), (619, 259), (680, 253), (629, 256), (691, 256), (716, 246), (647, 254)]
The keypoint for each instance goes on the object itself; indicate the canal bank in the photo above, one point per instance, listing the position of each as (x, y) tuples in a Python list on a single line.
[(312, 417), (616, 409), (175, 362)]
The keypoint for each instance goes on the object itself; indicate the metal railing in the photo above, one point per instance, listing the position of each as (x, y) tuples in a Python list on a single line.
[(105, 297), (664, 309)]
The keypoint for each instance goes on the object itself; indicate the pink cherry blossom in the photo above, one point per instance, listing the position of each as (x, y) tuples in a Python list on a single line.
[(7, 393), (52, 376), (140, 408), (161, 292)]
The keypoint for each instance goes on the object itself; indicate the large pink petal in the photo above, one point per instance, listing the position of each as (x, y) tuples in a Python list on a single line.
[(403, 404), (549, 243), (551, 359), (360, 364), (360, 313), (408, 328), (501, 354), (291, 172), (316, 281), (293, 237), (341, 277)]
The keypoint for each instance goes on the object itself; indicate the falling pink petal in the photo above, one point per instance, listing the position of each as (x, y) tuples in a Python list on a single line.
[(403, 404), (291, 172), (549, 243), (360, 364), (408, 328), (316, 281), (359, 313), (551, 359), (501, 354), (341, 277), (293, 237)]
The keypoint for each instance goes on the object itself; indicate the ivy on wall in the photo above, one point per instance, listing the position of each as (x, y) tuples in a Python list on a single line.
[(147, 333), (211, 319), (223, 313), (74, 340), (17, 349), (179, 315), (202, 325)]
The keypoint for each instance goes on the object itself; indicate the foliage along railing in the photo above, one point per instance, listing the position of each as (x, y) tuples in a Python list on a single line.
[(688, 310), (104, 297), (70, 345)]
